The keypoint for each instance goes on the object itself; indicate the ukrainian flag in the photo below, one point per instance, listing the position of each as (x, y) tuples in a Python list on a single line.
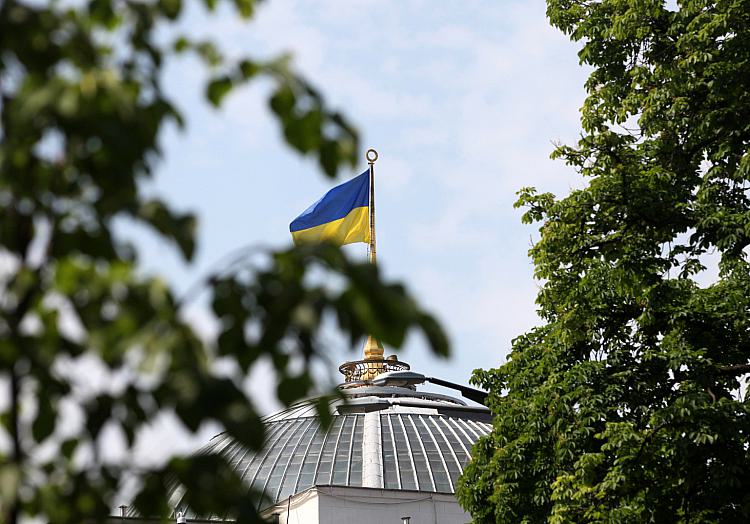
[(341, 216)]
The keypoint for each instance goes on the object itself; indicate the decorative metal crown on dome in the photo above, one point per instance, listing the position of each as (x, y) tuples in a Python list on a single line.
[(361, 372)]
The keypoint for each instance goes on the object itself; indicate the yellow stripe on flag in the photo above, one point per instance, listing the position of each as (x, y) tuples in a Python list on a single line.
[(354, 227)]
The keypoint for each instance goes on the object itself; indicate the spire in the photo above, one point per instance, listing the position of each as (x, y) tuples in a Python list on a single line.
[(373, 349)]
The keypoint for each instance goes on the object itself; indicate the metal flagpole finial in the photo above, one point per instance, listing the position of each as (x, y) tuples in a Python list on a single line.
[(371, 156)]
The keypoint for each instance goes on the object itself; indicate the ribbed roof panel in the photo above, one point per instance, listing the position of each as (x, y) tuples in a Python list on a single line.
[(419, 452)]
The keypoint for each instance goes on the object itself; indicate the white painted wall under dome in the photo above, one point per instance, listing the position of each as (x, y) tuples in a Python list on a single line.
[(348, 505)]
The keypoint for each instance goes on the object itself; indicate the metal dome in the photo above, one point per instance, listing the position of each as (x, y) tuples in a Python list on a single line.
[(386, 437), (390, 436)]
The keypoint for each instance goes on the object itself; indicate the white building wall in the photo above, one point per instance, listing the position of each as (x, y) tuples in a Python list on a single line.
[(302, 507), (343, 505)]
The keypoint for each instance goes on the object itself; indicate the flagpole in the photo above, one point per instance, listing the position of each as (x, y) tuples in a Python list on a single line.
[(372, 157), (373, 349)]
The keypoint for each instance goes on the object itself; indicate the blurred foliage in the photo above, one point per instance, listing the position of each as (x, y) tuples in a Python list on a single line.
[(88, 345), (630, 403)]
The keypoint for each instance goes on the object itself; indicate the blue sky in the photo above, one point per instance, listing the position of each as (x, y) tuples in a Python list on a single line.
[(463, 101)]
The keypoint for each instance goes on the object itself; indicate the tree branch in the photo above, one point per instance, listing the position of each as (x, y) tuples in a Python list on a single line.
[(733, 371), (16, 452)]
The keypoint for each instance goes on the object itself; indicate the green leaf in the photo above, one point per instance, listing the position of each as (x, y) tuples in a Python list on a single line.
[(246, 8), (248, 69), (217, 89), (44, 423), (180, 228), (171, 8)]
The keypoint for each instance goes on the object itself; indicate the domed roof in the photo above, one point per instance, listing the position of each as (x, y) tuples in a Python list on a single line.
[(386, 437), (389, 436)]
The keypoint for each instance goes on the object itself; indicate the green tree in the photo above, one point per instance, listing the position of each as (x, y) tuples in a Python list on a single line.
[(629, 403), (82, 109)]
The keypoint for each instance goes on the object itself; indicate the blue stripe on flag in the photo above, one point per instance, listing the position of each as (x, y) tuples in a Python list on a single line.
[(335, 204)]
